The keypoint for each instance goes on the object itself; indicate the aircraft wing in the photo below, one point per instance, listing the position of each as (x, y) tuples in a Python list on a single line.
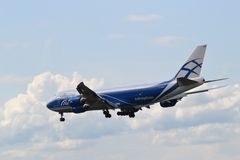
[(184, 81), (180, 96), (205, 90), (92, 101)]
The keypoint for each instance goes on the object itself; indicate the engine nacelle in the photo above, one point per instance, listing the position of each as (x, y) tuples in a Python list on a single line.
[(83, 100), (86, 106), (169, 103)]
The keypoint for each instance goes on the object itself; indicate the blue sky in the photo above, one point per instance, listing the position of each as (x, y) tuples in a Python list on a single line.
[(115, 43), (97, 35)]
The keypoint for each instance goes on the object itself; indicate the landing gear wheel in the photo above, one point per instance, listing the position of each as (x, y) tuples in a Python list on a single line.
[(62, 119), (131, 115), (107, 114)]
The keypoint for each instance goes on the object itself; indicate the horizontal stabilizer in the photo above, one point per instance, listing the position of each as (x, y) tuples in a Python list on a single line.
[(185, 81), (215, 80)]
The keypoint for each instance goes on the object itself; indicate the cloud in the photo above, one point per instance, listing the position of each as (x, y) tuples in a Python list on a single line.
[(175, 144), (27, 111), (167, 40), (143, 18), (218, 106), (206, 123)]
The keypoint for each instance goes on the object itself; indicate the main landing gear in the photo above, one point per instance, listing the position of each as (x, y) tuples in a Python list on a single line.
[(107, 114), (131, 114), (62, 119)]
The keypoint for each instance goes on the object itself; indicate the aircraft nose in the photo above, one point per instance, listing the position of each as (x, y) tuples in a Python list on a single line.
[(50, 105)]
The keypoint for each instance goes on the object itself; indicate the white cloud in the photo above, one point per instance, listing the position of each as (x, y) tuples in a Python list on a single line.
[(218, 109), (69, 143), (206, 123), (167, 40), (27, 110), (143, 18)]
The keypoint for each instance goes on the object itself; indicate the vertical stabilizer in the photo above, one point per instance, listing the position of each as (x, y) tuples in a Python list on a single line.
[(192, 68)]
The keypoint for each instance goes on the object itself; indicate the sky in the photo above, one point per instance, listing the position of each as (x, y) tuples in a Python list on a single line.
[(50, 46)]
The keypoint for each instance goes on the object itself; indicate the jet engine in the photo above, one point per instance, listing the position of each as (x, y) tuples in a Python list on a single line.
[(170, 103)]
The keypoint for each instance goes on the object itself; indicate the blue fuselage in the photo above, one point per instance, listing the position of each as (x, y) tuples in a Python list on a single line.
[(136, 97), (125, 99)]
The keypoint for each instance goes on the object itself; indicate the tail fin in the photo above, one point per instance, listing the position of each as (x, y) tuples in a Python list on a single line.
[(192, 68)]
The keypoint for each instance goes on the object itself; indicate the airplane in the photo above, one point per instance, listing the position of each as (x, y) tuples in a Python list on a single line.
[(128, 101)]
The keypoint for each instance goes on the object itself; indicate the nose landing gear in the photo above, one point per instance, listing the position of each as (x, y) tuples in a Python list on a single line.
[(62, 119)]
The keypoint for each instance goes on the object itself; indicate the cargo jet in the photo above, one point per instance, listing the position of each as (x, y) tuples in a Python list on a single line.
[(130, 100)]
